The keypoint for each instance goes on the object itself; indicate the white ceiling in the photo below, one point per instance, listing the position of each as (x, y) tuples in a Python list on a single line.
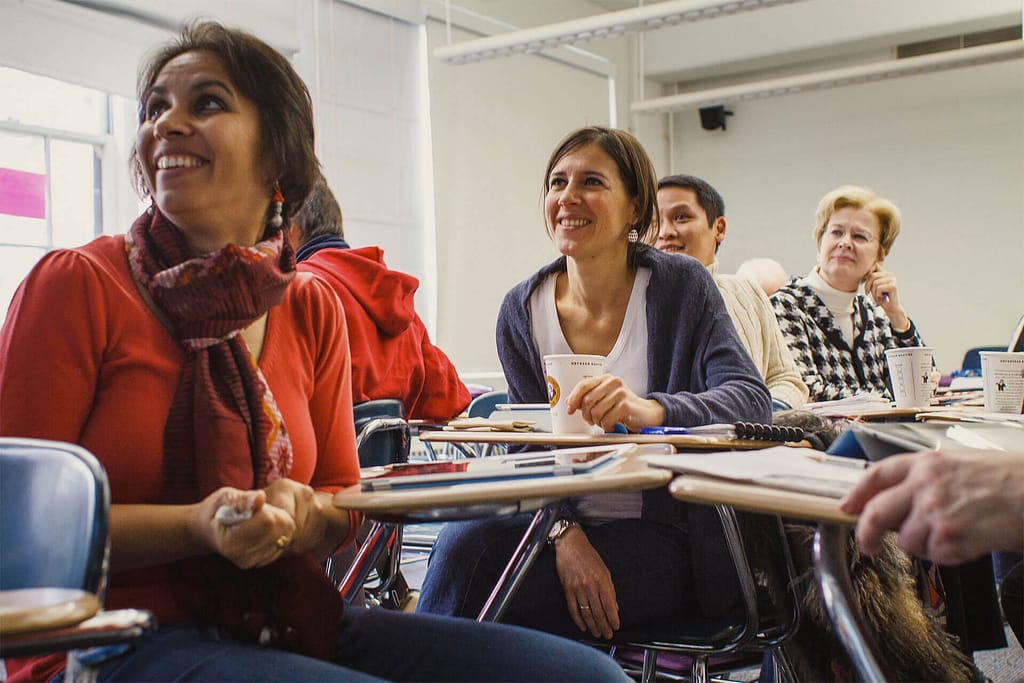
[(804, 36)]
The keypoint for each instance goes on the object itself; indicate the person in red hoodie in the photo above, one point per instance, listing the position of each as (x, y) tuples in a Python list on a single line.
[(392, 356)]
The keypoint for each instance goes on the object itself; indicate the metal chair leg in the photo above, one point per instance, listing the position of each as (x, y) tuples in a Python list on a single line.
[(366, 558), (700, 669), (830, 565), (650, 670)]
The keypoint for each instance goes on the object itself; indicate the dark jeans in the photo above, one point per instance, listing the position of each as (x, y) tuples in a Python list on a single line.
[(374, 645), (648, 562)]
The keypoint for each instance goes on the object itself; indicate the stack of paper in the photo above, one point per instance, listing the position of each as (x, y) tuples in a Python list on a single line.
[(793, 469), (852, 405)]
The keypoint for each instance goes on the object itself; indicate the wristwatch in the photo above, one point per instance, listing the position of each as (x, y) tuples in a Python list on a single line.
[(559, 529)]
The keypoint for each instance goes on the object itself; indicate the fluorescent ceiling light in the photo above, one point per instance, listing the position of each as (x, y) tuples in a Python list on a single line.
[(607, 25), (939, 61)]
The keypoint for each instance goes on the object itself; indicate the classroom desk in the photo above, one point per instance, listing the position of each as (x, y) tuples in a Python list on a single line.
[(542, 496), (830, 559), (40, 609), (679, 441)]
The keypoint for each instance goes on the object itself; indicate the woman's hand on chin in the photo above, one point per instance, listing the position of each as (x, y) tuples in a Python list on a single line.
[(606, 400), (881, 285)]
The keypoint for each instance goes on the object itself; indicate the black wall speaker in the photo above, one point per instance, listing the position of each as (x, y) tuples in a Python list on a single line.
[(713, 118)]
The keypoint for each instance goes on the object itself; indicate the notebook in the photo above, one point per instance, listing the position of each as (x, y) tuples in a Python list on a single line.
[(794, 469), (884, 439), (555, 463)]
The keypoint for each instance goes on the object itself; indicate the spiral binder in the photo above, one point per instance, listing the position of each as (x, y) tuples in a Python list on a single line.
[(766, 432), (737, 430)]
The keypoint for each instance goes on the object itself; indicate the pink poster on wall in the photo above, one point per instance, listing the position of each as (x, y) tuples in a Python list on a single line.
[(22, 193)]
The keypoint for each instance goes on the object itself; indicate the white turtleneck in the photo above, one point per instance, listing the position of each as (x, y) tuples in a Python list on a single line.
[(839, 303)]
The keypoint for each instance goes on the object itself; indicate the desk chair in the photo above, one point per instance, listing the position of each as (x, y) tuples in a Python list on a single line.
[(971, 365), (482, 406), (770, 612), (54, 506), (382, 438)]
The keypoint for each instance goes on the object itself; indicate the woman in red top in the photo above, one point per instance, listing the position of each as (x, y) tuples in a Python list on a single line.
[(213, 383)]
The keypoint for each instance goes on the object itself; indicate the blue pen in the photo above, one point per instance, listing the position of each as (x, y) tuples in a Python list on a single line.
[(664, 430)]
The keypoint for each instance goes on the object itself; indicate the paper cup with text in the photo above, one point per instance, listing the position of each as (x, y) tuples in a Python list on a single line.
[(1003, 375), (564, 371), (910, 370)]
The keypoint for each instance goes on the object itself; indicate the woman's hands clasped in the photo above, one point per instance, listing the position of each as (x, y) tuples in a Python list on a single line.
[(605, 400), (263, 525)]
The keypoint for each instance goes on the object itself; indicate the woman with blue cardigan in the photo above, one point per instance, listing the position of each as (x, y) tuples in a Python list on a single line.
[(672, 358)]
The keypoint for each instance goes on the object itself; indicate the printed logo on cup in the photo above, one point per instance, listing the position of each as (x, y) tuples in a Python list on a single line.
[(554, 392), (910, 370), (562, 373), (1002, 373)]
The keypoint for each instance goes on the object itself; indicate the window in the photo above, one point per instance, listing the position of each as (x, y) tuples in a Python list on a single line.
[(53, 139)]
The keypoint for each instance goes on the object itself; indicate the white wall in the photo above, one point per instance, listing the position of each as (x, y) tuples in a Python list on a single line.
[(946, 147), (363, 71), (494, 125)]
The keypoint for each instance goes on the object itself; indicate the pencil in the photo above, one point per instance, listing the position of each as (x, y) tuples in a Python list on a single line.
[(855, 463)]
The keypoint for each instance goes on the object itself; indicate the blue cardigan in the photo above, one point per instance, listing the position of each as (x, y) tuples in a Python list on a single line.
[(697, 368)]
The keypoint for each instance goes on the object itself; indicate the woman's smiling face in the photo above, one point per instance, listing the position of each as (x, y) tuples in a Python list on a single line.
[(199, 146), (587, 206)]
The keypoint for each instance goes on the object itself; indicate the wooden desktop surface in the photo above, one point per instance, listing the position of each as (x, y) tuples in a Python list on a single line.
[(630, 473), (758, 498), (38, 609), (680, 441)]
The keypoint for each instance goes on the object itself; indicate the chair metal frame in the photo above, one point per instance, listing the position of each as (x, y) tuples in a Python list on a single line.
[(75, 479), (378, 424), (754, 631)]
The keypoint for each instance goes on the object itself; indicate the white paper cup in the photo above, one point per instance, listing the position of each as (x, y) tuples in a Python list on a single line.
[(564, 371), (1003, 375), (910, 370)]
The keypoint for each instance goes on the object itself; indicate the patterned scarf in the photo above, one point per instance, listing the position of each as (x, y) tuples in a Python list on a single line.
[(224, 428)]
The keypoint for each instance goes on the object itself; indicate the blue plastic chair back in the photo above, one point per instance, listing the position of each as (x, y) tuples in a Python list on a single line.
[(388, 443), (972, 358), (54, 502), (485, 404)]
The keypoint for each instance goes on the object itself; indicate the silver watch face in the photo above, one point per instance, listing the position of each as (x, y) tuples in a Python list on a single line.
[(557, 529)]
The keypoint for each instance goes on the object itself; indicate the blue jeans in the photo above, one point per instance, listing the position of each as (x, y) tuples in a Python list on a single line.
[(648, 562), (373, 645)]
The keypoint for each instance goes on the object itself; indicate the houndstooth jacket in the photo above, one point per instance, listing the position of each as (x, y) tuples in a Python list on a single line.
[(830, 368)]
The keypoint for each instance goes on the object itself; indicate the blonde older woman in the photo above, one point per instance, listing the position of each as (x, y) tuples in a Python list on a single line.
[(841, 317)]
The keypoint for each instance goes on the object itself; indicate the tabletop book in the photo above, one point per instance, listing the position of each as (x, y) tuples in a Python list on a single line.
[(554, 463), (793, 469)]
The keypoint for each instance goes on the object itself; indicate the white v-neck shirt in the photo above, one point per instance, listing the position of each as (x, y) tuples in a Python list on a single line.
[(627, 360)]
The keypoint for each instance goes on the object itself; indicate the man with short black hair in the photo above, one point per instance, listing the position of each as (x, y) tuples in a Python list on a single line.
[(693, 223)]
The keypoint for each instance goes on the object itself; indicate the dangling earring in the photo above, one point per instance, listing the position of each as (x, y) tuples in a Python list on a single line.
[(633, 236), (276, 221), (152, 206)]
